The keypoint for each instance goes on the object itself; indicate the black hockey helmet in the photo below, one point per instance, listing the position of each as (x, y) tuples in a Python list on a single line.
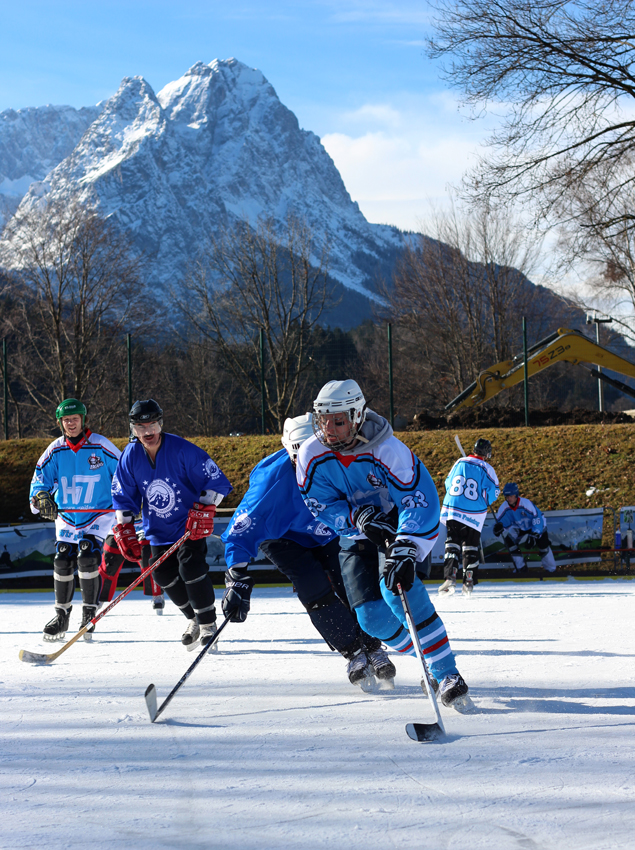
[(145, 411), (483, 448)]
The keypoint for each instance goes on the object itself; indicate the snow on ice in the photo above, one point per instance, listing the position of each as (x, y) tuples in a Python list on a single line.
[(267, 745)]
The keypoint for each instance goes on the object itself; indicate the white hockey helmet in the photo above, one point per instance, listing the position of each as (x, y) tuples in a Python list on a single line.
[(295, 431), (344, 397)]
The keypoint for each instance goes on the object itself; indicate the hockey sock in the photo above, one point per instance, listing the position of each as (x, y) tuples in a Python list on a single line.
[(432, 634)]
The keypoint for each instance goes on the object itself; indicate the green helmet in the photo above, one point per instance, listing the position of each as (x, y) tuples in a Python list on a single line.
[(71, 407)]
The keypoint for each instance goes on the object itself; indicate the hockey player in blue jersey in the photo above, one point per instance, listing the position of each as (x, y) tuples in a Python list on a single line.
[(273, 516), (75, 471), (367, 486), (471, 486), (178, 486), (522, 524)]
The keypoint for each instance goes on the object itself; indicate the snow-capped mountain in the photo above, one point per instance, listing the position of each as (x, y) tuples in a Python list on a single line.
[(212, 147), (32, 142)]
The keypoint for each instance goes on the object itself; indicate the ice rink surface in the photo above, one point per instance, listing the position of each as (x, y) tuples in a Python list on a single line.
[(268, 746)]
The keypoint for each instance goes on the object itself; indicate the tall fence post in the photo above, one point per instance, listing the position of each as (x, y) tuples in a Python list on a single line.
[(526, 372), (6, 388), (262, 380), (129, 347), (390, 385)]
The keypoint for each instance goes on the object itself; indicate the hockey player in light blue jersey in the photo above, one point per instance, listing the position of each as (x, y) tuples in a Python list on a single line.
[(366, 485), (522, 524), (75, 471), (273, 516), (471, 486)]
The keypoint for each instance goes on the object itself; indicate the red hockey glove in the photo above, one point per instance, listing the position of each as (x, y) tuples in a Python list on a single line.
[(126, 538), (200, 520)]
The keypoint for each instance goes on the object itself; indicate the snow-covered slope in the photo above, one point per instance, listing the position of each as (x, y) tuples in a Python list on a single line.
[(212, 147), (32, 142)]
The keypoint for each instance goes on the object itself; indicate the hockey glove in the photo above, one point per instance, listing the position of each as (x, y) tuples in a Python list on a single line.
[(376, 525), (45, 505), (531, 541), (498, 529), (400, 566), (126, 539), (200, 521), (237, 596)]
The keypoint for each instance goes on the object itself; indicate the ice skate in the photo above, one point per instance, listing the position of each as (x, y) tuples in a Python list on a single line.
[(453, 692), (360, 672), (158, 604), (191, 633), (207, 635), (56, 629), (468, 583), (383, 668), (88, 612), (448, 587)]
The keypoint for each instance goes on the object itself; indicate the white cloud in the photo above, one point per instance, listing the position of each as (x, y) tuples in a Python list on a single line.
[(398, 158)]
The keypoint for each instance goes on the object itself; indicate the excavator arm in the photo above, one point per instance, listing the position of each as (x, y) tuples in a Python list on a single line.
[(565, 344)]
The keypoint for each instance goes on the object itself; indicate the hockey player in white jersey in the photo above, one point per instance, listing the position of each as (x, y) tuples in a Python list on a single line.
[(366, 485), (470, 487), (522, 524), (75, 471)]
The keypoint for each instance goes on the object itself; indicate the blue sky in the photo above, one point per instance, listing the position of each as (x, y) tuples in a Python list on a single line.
[(353, 72)]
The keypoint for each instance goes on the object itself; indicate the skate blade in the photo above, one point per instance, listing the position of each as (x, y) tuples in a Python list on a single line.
[(88, 636), (33, 657), (367, 684), (448, 592), (386, 684), (198, 645), (464, 705), (467, 591), (151, 702), (424, 732), (54, 638), (158, 611)]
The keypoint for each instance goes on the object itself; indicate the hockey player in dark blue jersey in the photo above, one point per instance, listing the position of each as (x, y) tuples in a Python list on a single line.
[(75, 471), (522, 524), (366, 485), (471, 486), (178, 486), (273, 516)]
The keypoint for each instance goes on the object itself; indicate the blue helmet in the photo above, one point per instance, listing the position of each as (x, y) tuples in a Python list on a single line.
[(511, 489)]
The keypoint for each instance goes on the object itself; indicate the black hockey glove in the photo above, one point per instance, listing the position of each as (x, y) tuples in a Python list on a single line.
[(531, 542), (237, 596), (45, 504), (400, 566), (498, 529), (376, 525)]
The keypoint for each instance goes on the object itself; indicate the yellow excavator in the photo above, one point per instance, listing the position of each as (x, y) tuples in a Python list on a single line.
[(564, 344)]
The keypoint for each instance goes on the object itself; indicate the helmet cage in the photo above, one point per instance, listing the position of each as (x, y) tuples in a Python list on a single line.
[(355, 416)]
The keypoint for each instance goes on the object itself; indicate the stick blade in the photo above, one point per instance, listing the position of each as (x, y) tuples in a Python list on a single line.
[(151, 702), (34, 657), (424, 732)]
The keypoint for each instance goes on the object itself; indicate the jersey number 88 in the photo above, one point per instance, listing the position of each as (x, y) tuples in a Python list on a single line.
[(464, 487)]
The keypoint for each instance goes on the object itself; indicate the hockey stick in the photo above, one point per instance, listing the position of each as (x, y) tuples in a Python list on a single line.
[(421, 731), (151, 691), (40, 658), (480, 542)]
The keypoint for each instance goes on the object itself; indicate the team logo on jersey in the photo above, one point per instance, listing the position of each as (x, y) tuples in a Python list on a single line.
[(374, 481), (414, 500), (340, 522), (410, 525), (161, 498), (95, 462), (211, 469), (116, 487), (38, 478), (314, 506), (322, 530), (241, 523)]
